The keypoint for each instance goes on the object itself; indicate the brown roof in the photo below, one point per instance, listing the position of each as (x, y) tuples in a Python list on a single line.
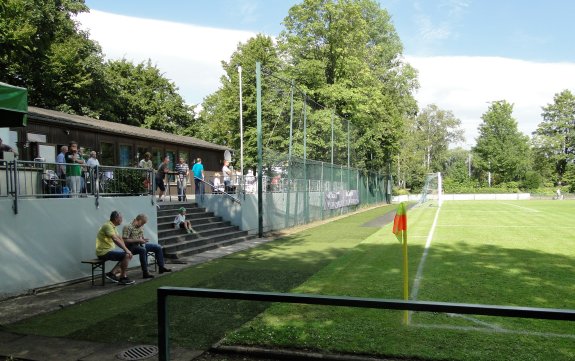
[(118, 128)]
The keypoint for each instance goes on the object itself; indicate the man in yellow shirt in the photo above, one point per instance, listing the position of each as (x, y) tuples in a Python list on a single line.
[(106, 242)]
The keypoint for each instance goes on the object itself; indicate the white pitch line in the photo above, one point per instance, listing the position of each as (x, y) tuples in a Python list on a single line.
[(493, 226), (498, 330), (419, 273), (515, 205)]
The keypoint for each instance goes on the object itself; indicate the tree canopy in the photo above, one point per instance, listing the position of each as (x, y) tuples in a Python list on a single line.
[(501, 149)]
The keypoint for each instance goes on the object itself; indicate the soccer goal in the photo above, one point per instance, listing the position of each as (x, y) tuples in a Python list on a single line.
[(432, 191)]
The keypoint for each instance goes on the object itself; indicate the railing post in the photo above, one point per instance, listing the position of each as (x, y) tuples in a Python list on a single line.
[(15, 185), (163, 332)]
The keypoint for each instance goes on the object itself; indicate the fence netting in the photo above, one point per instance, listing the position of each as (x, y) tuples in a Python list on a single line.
[(309, 156)]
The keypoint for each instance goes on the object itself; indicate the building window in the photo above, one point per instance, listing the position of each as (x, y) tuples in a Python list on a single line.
[(107, 154), (157, 157), (126, 156)]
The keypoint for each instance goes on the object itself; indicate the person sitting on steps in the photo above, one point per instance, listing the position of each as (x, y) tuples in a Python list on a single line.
[(180, 221)]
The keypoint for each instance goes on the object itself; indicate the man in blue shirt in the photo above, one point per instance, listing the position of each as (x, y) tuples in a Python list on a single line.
[(198, 170), (61, 160)]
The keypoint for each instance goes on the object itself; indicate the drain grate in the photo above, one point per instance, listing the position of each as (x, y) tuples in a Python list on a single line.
[(141, 352)]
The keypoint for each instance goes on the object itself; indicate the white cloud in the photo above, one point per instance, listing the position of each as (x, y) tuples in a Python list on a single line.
[(191, 57), (188, 55), (465, 85)]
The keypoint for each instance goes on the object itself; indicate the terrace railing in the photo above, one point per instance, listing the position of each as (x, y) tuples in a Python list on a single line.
[(41, 180)]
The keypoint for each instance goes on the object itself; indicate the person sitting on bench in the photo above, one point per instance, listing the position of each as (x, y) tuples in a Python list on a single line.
[(106, 240), (133, 236)]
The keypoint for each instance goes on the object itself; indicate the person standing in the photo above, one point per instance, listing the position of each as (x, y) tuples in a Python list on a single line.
[(106, 240), (61, 161), (183, 173), (146, 162), (93, 160), (93, 163), (74, 168), (227, 175), (160, 175), (198, 170), (6, 148), (133, 236)]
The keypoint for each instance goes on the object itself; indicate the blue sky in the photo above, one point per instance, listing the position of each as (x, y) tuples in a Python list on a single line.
[(468, 52)]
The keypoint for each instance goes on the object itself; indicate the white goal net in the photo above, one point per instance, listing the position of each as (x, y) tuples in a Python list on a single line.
[(432, 192)]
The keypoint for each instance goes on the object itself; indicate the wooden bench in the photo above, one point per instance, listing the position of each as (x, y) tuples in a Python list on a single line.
[(151, 258), (100, 265), (97, 264)]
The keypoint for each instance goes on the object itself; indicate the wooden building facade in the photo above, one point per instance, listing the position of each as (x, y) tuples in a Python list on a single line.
[(116, 144)]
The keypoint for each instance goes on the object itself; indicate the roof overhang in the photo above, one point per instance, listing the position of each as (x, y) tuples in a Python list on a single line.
[(13, 106)]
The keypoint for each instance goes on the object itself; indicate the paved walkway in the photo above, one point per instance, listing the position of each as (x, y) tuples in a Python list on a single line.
[(39, 348)]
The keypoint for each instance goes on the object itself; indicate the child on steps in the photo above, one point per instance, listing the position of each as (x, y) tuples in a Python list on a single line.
[(180, 221)]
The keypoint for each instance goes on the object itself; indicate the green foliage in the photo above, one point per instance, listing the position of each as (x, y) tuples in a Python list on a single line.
[(501, 149), (344, 60), (554, 139), (44, 50), (219, 119), (143, 97), (533, 180), (346, 57), (426, 147)]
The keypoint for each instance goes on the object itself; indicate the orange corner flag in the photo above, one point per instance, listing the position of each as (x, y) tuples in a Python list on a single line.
[(400, 223)]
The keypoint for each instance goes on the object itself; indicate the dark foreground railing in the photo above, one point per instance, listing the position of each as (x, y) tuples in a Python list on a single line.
[(444, 307)]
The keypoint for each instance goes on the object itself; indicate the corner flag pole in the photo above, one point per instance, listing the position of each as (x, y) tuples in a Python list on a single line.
[(400, 231), (405, 278)]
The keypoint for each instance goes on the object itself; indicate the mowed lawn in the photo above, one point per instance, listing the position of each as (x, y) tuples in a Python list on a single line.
[(502, 253), (514, 253)]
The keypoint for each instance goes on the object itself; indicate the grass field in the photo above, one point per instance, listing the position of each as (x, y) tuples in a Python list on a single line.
[(503, 253)]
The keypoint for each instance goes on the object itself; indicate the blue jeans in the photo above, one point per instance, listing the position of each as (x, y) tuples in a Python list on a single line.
[(199, 189), (113, 255), (142, 252)]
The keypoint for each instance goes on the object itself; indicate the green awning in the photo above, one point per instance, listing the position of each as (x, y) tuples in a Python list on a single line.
[(13, 106)]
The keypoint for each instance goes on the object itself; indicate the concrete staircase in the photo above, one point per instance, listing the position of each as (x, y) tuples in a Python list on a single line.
[(212, 231)]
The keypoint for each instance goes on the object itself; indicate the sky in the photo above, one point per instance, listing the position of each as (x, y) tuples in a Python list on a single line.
[(468, 53)]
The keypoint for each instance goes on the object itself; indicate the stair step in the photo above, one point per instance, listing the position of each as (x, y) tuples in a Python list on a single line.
[(212, 231), (183, 237), (195, 222), (207, 247)]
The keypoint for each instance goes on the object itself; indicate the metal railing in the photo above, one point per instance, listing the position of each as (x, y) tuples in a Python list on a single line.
[(218, 190), (32, 179), (424, 306)]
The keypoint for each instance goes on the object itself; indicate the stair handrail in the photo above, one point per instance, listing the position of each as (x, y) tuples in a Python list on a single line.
[(234, 199)]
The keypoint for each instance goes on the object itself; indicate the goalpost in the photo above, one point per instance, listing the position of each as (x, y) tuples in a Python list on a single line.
[(432, 191)]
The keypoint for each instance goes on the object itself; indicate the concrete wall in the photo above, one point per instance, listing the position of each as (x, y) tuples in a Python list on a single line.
[(44, 243), (281, 210)]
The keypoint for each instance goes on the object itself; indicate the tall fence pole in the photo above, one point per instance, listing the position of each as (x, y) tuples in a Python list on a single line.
[(260, 158), (306, 185)]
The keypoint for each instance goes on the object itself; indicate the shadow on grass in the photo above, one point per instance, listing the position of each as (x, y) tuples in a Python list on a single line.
[(279, 266), (483, 274)]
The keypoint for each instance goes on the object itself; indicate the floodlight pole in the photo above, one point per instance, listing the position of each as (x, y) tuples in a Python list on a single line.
[(241, 124)]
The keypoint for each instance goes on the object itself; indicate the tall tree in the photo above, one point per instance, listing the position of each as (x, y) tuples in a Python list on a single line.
[(501, 149), (346, 55), (426, 144), (554, 139), (144, 97), (44, 51), (436, 130), (219, 118)]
